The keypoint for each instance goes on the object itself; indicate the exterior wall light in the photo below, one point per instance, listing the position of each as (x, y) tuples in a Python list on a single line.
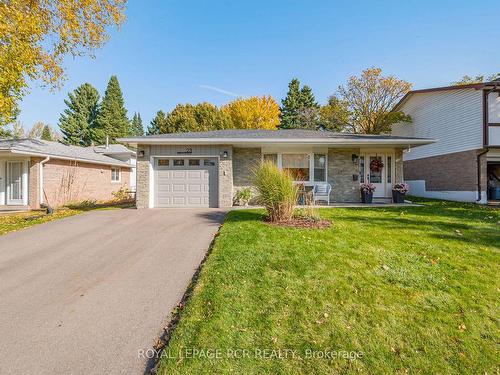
[(225, 154), (354, 158), (140, 153)]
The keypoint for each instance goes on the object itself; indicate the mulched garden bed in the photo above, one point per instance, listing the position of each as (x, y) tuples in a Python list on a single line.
[(302, 222)]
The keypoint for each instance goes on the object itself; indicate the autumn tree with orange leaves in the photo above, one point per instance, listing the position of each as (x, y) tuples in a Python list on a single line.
[(36, 35)]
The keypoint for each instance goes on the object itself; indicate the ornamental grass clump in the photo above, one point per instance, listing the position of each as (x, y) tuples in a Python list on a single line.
[(277, 192)]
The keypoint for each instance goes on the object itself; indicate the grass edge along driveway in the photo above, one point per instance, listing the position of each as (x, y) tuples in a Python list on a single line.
[(11, 222), (413, 289)]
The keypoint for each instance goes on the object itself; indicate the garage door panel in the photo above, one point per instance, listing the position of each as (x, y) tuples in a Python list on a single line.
[(179, 175), (191, 186), (195, 201), (178, 188), (195, 175)]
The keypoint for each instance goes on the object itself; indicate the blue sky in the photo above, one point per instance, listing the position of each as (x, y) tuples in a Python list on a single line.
[(171, 52)]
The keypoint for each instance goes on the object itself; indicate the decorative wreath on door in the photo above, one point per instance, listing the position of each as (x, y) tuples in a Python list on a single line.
[(376, 165)]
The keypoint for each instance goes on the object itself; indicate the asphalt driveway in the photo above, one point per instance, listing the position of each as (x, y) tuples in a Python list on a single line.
[(83, 295)]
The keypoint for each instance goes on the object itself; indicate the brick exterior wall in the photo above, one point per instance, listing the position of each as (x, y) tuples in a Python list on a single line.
[(142, 170), (340, 175), (68, 181), (451, 172), (33, 183)]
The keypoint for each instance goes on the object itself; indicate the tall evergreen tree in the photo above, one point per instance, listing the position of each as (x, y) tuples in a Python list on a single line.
[(79, 118), (112, 118), (307, 99), (157, 124), (47, 133), (290, 106), (299, 108), (136, 127)]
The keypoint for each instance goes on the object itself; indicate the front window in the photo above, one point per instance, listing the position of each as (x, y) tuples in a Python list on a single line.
[(273, 158), (319, 167), (297, 165), (115, 174), (494, 108)]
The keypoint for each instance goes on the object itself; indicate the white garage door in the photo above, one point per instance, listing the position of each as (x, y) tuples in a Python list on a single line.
[(186, 182)]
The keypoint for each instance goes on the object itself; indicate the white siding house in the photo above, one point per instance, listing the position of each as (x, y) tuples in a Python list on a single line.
[(465, 121), (454, 118)]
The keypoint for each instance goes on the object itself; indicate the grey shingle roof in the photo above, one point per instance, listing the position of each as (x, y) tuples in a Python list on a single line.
[(112, 149), (56, 149), (269, 134)]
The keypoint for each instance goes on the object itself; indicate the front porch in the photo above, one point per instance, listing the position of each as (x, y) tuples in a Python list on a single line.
[(343, 168)]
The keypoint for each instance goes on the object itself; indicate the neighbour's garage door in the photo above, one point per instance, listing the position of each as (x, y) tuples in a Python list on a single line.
[(186, 182)]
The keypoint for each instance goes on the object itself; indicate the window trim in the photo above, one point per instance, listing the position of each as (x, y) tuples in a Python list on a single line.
[(119, 174), (311, 163)]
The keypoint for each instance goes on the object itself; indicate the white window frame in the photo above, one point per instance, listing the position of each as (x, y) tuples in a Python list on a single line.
[(311, 164), (119, 174)]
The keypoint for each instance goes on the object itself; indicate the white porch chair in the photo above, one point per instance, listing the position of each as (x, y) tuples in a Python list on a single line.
[(321, 192)]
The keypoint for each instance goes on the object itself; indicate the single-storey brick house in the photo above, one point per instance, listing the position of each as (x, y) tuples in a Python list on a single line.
[(35, 172), (205, 169)]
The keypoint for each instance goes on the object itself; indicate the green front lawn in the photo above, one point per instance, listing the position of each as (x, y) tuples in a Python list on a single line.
[(411, 290)]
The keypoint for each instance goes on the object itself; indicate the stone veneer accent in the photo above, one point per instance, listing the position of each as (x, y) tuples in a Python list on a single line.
[(226, 179), (451, 172), (244, 161), (142, 170), (398, 173), (340, 175)]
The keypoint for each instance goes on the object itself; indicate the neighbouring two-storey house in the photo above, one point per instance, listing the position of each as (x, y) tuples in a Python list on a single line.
[(464, 163)]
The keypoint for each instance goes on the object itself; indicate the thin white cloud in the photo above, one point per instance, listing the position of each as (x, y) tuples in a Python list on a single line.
[(222, 91)]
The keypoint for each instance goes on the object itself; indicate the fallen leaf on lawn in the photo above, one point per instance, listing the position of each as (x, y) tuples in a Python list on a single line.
[(434, 261), (462, 327), (319, 322), (458, 232), (325, 315), (385, 267)]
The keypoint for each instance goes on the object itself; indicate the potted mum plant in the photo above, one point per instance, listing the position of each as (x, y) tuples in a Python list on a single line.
[(367, 190), (399, 192)]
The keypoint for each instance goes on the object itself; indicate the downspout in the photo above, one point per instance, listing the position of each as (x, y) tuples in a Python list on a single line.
[(40, 178), (479, 187)]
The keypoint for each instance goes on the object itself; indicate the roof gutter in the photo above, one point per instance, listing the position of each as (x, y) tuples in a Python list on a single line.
[(321, 141), (125, 165)]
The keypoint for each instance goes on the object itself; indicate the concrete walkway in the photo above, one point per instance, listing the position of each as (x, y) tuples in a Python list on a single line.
[(82, 295)]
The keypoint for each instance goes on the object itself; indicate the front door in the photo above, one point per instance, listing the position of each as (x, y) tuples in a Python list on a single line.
[(381, 178), (15, 182)]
